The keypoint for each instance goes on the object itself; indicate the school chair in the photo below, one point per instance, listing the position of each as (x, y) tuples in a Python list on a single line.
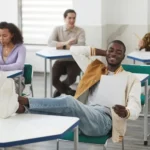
[(101, 140), (28, 74), (142, 69)]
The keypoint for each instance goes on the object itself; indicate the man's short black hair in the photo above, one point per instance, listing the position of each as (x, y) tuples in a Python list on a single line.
[(119, 42), (69, 11)]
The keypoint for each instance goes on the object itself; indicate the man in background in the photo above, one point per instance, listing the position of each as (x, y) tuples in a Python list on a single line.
[(62, 38)]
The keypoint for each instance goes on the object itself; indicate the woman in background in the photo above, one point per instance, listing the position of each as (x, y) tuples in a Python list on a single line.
[(12, 50), (144, 43)]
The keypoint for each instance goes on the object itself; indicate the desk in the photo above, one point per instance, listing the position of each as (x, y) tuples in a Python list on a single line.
[(139, 56), (13, 74), (144, 78), (23, 129), (52, 54)]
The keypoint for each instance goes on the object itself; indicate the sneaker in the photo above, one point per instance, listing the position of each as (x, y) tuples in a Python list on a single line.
[(71, 92), (56, 93)]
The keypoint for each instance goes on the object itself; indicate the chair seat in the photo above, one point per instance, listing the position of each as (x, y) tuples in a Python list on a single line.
[(86, 139), (142, 99)]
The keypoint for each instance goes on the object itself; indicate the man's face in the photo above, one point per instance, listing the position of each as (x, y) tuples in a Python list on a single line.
[(115, 54), (70, 20)]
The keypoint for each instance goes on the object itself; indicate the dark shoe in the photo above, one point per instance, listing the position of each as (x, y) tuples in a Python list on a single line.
[(71, 92), (56, 94)]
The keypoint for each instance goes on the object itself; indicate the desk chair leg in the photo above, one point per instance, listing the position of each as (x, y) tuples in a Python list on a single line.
[(76, 138), (31, 88), (20, 86), (57, 145), (105, 146), (81, 74), (123, 144), (51, 79), (45, 78), (146, 114)]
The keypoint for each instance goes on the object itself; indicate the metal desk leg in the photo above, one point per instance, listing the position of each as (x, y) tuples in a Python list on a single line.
[(81, 74), (20, 86), (51, 84), (76, 136), (45, 78), (146, 114)]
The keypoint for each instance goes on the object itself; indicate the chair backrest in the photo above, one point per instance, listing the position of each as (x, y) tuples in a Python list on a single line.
[(145, 69), (28, 73)]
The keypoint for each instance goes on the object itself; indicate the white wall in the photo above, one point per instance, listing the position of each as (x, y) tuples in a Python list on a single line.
[(124, 12), (121, 19), (9, 11), (89, 17), (88, 12), (148, 8), (101, 20)]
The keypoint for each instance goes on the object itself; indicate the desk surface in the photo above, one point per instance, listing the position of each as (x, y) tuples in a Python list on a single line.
[(30, 128), (12, 74), (142, 77), (52, 53), (140, 56)]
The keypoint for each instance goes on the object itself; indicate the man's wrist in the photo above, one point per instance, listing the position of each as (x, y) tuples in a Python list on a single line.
[(128, 113), (64, 46)]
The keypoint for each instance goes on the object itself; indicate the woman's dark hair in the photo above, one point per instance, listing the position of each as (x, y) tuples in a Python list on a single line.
[(14, 30), (69, 11)]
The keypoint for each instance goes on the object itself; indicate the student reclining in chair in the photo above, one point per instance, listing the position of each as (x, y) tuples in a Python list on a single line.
[(95, 120)]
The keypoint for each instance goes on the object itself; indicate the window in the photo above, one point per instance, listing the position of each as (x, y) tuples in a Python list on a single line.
[(39, 17)]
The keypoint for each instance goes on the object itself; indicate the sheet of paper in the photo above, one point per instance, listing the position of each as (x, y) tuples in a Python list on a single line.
[(111, 90)]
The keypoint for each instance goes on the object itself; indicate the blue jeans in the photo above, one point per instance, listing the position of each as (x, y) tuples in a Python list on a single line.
[(93, 120)]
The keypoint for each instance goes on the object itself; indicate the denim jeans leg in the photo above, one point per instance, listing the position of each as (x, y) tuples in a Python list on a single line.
[(93, 122)]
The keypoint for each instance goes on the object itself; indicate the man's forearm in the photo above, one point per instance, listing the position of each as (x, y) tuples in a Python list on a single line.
[(98, 52), (60, 45)]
